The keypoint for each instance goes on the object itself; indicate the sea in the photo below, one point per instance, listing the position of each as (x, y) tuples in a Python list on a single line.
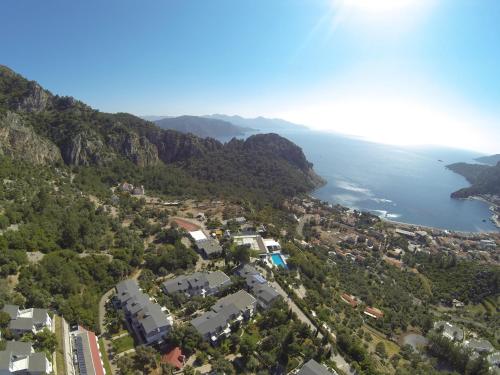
[(401, 183)]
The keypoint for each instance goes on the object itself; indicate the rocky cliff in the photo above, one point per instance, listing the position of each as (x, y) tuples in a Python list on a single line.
[(45, 128)]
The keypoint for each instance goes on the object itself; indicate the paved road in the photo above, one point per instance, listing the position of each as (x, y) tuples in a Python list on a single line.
[(302, 317)]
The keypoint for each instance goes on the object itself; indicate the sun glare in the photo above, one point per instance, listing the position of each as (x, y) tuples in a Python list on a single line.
[(380, 5)]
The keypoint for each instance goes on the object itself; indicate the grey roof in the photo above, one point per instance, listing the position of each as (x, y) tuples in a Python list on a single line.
[(479, 345), (217, 278), (19, 348), (314, 368), (223, 312), (12, 310), (39, 315), (5, 360), (37, 363), (240, 299), (196, 280), (126, 289), (209, 246), (265, 292), (136, 303), (21, 324), (178, 284), (247, 270), (152, 318), (146, 313)]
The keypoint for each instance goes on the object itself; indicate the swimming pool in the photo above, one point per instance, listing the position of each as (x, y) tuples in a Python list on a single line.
[(277, 259)]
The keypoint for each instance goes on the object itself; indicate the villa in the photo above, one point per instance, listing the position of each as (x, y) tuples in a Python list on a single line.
[(217, 322), (197, 284), (450, 331), (149, 321), (314, 368), (265, 294), (19, 358), (350, 299), (27, 320)]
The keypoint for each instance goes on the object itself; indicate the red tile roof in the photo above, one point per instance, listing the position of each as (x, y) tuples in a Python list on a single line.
[(174, 358)]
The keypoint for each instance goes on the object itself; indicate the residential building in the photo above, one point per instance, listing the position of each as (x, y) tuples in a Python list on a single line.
[(19, 358), (197, 284), (86, 352), (479, 345), (217, 322), (350, 299), (373, 312), (27, 320), (254, 241), (450, 331), (149, 321), (209, 247), (314, 368), (174, 358), (258, 286)]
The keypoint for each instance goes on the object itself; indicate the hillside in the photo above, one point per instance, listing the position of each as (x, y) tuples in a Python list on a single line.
[(490, 160), (202, 127), (483, 179), (260, 123), (41, 128)]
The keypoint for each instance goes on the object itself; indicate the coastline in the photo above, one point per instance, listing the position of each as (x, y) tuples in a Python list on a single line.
[(493, 207)]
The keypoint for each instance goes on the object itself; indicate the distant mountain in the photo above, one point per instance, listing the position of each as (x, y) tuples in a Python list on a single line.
[(202, 127), (491, 160), (484, 179), (39, 127), (260, 123)]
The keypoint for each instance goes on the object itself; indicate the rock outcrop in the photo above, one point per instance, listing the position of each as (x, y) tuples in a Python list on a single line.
[(19, 141)]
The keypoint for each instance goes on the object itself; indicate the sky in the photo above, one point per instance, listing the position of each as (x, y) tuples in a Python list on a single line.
[(392, 71)]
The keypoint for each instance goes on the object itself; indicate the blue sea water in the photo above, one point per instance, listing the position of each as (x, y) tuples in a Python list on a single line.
[(407, 184)]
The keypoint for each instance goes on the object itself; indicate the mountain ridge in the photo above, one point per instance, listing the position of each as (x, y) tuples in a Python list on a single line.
[(202, 127), (44, 128), (484, 179)]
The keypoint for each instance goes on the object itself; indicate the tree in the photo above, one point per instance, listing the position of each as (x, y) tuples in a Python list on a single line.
[(380, 349), (45, 341), (4, 319), (242, 254), (146, 357), (125, 365), (222, 366)]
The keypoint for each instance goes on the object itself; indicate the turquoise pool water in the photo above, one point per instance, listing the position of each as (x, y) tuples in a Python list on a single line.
[(278, 260)]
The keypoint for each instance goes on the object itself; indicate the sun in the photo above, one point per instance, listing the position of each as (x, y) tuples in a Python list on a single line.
[(380, 6)]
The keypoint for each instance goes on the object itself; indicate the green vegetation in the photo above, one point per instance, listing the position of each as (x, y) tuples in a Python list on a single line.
[(483, 178), (61, 364), (104, 356), (122, 344)]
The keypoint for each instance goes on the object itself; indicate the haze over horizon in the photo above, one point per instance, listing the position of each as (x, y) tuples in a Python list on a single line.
[(392, 71)]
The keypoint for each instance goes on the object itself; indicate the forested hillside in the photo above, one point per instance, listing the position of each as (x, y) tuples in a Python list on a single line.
[(484, 179), (42, 128)]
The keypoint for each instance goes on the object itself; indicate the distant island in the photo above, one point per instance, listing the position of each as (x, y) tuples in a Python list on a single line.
[(202, 127), (260, 123), (490, 160)]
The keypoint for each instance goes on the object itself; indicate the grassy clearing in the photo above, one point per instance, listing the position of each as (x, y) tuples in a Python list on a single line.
[(123, 344), (390, 347), (104, 355), (60, 363)]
